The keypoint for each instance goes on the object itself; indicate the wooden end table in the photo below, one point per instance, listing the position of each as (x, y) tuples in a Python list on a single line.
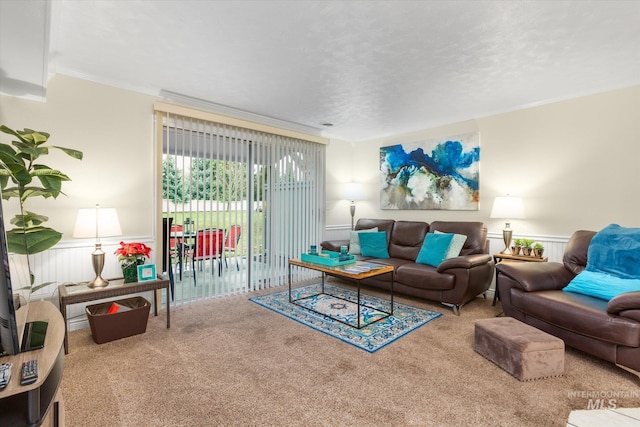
[(508, 257), (75, 293)]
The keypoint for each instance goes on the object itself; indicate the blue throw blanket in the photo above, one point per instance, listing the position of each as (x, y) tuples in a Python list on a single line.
[(615, 250)]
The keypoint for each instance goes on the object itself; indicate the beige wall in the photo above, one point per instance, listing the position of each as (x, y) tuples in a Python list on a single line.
[(575, 163), (114, 130)]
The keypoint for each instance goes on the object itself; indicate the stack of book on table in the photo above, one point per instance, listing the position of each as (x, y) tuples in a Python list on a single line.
[(363, 267)]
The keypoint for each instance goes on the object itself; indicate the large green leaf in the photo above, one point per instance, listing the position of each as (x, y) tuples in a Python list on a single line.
[(76, 154), (38, 137), (41, 286), (28, 220), (14, 165), (30, 150), (45, 171), (28, 192), (35, 240), (10, 131), (9, 192)]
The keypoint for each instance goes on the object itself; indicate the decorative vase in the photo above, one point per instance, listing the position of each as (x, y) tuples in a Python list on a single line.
[(130, 271)]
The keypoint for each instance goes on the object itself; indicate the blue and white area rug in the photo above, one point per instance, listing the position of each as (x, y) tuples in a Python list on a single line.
[(371, 338)]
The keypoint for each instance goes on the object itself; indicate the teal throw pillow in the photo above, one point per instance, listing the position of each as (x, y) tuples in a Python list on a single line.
[(374, 244), (601, 285), (354, 241), (434, 249), (457, 243)]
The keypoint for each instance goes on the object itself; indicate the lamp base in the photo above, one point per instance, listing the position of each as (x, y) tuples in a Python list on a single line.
[(352, 210), (507, 233), (98, 282), (97, 259)]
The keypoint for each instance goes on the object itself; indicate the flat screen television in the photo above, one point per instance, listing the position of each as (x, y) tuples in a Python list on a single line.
[(16, 334)]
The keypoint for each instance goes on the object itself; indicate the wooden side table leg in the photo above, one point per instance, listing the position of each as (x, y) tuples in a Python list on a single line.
[(168, 309), (496, 292), (63, 310)]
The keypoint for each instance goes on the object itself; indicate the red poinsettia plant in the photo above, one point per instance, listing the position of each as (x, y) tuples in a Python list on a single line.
[(132, 253)]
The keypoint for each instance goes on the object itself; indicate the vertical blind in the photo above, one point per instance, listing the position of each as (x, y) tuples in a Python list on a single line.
[(217, 175)]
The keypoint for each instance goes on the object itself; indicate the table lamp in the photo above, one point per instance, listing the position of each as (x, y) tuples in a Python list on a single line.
[(508, 208), (97, 222), (353, 192)]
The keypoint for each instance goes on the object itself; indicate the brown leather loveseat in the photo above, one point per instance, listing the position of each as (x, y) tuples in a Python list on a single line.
[(532, 293), (454, 282)]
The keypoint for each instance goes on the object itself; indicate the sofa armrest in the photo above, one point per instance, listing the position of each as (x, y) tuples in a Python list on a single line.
[(464, 261), (333, 245), (625, 305), (536, 276)]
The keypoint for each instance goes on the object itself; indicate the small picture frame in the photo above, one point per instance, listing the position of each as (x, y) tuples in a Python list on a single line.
[(146, 272)]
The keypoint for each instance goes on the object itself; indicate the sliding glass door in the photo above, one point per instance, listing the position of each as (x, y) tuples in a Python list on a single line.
[(241, 201)]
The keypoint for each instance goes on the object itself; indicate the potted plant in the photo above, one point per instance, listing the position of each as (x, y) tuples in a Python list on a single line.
[(527, 246), (538, 250), (20, 172), (131, 255), (517, 244)]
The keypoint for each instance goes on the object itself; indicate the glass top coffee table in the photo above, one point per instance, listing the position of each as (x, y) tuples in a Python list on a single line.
[(355, 272)]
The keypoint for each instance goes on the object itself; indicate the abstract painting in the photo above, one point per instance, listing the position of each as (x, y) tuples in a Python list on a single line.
[(439, 174)]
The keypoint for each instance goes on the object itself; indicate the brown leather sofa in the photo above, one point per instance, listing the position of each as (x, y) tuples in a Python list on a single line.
[(454, 282), (532, 293)]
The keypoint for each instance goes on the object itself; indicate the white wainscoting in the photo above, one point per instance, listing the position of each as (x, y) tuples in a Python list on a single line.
[(337, 232), (553, 246)]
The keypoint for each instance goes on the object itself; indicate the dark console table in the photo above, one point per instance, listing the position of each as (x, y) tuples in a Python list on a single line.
[(75, 293)]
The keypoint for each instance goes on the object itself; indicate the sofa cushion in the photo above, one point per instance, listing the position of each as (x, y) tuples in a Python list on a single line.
[(434, 249), (374, 244), (581, 314), (476, 233), (354, 241), (456, 244), (601, 285), (423, 276), (407, 238)]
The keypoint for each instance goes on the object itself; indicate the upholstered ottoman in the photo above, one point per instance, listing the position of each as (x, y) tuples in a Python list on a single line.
[(520, 349)]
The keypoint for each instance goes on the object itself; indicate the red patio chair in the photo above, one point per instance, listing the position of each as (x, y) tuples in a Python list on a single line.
[(177, 247), (231, 243), (209, 245)]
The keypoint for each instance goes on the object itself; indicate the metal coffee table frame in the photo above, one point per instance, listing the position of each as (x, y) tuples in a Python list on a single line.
[(340, 272)]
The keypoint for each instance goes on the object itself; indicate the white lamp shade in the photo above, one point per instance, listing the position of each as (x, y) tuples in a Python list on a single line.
[(353, 191), (507, 207), (97, 222)]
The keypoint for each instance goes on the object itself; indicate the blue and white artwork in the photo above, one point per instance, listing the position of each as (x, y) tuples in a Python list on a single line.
[(435, 174)]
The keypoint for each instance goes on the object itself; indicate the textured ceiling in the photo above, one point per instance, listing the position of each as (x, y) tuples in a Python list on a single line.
[(372, 68)]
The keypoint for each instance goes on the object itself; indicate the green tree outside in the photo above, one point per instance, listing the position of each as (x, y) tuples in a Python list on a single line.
[(173, 182)]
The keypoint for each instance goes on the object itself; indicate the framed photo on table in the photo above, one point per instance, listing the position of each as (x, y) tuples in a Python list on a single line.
[(146, 272)]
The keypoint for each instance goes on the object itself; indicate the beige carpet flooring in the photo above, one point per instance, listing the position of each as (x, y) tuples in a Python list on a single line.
[(231, 362)]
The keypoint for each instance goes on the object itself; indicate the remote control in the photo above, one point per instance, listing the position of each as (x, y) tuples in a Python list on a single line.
[(29, 373), (5, 374)]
